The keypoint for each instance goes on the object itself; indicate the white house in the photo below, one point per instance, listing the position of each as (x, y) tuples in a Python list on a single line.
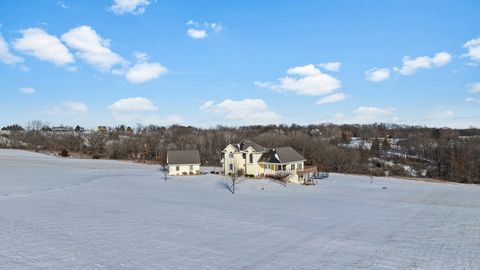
[(183, 162), (257, 160)]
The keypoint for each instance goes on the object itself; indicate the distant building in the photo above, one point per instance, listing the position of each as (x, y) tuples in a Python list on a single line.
[(183, 162), (61, 129), (257, 160)]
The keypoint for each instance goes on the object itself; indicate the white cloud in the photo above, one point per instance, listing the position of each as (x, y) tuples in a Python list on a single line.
[(447, 114), (473, 47), (196, 33), (92, 48), (475, 88), (27, 90), (5, 55), (198, 30), (331, 66), (143, 72), (134, 7), (71, 108), (472, 100), (63, 5), (304, 80), (332, 98), (373, 111), (246, 111), (38, 43), (377, 74), (410, 66), (206, 105), (138, 110), (136, 104)]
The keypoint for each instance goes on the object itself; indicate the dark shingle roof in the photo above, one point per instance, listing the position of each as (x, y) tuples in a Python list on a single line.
[(281, 155), (243, 145), (183, 157)]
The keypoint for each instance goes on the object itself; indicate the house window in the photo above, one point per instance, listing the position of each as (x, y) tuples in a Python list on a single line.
[(292, 167), (191, 167), (244, 155), (279, 168), (300, 166), (177, 168), (230, 155), (284, 167), (251, 158), (230, 166)]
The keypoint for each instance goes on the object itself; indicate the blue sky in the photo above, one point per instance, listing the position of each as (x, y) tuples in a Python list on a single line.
[(205, 63)]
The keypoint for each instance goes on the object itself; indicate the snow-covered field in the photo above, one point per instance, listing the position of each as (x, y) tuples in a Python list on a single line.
[(93, 214)]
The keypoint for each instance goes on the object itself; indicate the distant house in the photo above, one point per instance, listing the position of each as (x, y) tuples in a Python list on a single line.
[(183, 162), (257, 160)]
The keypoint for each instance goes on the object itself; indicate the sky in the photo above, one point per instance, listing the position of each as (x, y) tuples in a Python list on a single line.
[(207, 63)]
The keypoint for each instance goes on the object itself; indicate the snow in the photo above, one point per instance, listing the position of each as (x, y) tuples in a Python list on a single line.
[(94, 214)]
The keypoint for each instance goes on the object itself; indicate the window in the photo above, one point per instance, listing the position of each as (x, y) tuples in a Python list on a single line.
[(292, 167), (251, 158), (230, 166), (230, 155), (244, 155), (177, 168), (300, 166), (191, 167), (279, 168), (284, 167)]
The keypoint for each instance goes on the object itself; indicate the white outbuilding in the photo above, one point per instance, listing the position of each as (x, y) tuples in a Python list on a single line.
[(183, 162)]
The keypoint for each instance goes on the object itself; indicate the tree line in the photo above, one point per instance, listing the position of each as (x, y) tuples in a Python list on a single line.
[(397, 150)]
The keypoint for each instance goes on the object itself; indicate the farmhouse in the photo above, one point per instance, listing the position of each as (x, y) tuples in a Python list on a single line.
[(257, 160), (183, 162)]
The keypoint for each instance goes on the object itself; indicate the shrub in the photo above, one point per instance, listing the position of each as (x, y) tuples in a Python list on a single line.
[(212, 172), (184, 173), (217, 172), (64, 153), (190, 173)]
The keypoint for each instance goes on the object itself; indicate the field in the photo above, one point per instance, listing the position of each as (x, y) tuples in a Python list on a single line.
[(94, 214)]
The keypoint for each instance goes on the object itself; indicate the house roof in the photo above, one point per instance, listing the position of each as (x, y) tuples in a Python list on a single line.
[(183, 157), (245, 144), (281, 155)]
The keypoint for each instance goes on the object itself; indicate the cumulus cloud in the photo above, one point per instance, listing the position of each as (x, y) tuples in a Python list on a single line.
[(473, 47), (63, 5), (332, 98), (92, 48), (144, 71), (331, 66), (304, 80), (139, 110), (198, 30), (71, 108), (246, 111), (472, 100), (410, 66), (136, 104), (206, 105), (475, 88), (27, 90), (196, 33), (134, 7), (38, 43), (377, 74), (5, 55)]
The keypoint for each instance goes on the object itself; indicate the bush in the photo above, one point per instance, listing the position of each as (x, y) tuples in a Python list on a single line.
[(96, 157), (191, 173), (217, 172), (64, 153), (212, 172), (184, 173)]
